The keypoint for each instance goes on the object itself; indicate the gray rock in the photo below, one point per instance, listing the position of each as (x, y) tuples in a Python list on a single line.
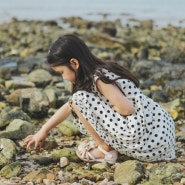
[(44, 160), (58, 94), (34, 102), (129, 172), (175, 88), (31, 100), (175, 55), (108, 28), (51, 94), (145, 68), (147, 24), (18, 129), (159, 96), (11, 84), (180, 136), (26, 65), (100, 166), (64, 162), (11, 170), (65, 152), (49, 182), (65, 177), (40, 77), (152, 183), (175, 108), (7, 152), (37, 176), (8, 114), (68, 129), (166, 173), (107, 182), (5, 73)]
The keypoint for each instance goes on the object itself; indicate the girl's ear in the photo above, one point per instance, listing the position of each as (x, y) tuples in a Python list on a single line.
[(74, 63)]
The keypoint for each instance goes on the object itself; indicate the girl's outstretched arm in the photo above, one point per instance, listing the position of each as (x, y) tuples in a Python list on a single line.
[(119, 101), (38, 139)]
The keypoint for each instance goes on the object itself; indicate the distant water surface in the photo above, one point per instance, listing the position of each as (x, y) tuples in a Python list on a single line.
[(163, 12)]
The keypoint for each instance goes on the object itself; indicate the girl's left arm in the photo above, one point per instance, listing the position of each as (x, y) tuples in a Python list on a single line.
[(119, 101)]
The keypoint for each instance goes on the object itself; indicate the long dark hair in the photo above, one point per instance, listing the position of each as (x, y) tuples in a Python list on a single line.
[(70, 46)]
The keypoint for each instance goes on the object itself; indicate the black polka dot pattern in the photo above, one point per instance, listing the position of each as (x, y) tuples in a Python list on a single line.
[(147, 135)]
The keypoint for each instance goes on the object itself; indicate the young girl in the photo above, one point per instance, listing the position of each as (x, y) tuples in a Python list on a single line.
[(107, 104)]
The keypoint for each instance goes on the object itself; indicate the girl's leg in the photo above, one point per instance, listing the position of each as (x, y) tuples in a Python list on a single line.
[(92, 132)]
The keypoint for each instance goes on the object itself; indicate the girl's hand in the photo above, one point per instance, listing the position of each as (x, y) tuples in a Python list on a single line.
[(37, 140)]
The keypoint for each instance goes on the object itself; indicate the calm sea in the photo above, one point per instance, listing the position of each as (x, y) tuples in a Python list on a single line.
[(163, 12)]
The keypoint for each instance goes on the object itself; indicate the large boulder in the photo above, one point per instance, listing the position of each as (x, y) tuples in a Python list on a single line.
[(67, 128), (175, 88), (18, 129), (166, 173), (5, 73), (8, 114), (129, 172), (11, 170), (7, 152), (32, 101), (40, 77)]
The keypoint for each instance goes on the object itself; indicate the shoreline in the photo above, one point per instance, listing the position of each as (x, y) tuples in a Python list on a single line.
[(125, 19), (162, 13)]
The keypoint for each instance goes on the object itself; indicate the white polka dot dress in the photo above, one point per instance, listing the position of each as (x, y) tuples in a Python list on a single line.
[(147, 134)]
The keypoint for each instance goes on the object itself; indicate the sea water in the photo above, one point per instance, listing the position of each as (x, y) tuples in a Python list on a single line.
[(163, 12)]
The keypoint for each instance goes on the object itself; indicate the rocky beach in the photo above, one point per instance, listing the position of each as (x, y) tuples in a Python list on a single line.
[(31, 92)]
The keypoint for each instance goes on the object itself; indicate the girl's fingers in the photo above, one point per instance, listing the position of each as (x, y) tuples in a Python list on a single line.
[(29, 144), (28, 138), (41, 143), (36, 145)]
